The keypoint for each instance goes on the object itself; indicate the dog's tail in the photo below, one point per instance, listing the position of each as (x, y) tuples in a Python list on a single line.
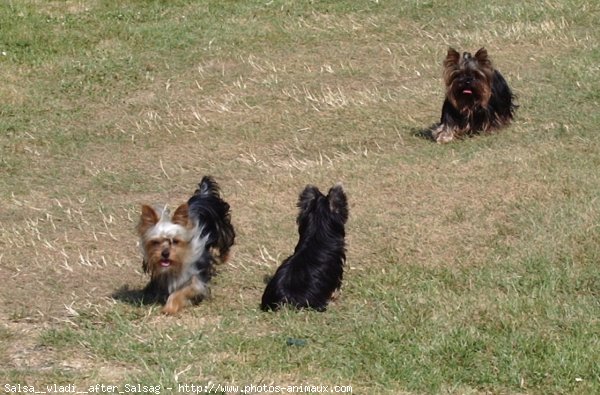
[(208, 187), (212, 213)]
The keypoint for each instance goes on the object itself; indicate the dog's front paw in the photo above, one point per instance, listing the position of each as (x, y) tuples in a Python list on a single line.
[(170, 308), (444, 136)]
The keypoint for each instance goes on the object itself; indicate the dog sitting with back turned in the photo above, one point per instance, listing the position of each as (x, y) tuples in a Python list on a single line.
[(311, 275)]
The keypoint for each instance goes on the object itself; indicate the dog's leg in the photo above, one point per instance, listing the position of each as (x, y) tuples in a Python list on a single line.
[(219, 256), (443, 134), (336, 294), (180, 298)]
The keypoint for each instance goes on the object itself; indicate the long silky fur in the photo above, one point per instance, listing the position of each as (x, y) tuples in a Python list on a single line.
[(493, 103), (208, 208), (211, 232), (309, 277)]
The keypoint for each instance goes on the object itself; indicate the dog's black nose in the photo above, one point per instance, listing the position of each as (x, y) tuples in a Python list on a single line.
[(165, 253)]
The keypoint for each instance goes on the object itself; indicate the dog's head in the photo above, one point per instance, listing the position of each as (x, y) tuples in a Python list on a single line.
[(322, 213), (468, 79), (165, 240)]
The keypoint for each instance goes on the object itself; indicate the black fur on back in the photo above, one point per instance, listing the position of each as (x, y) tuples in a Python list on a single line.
[(212, 214), (309, 277)]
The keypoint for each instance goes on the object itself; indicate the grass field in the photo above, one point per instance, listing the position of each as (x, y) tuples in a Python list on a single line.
[(472, 267)]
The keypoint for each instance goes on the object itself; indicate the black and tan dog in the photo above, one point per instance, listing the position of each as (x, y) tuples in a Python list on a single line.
[(309, 277), (478, 98), (180, 250)]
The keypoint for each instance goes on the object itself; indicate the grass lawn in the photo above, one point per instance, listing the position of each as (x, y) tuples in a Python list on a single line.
[(472, 267)]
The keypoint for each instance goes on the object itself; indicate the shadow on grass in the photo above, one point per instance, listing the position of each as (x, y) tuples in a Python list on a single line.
[(135, 297), (425, 133)]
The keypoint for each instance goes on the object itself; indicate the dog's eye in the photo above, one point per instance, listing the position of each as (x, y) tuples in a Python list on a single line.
[(175, 241), (154, 243)]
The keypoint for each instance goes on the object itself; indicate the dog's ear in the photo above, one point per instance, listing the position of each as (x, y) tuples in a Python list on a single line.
[(338, 202), (148, 219), (452, 58), (451, 65), (307, 197), (181, 215), (482, 57)]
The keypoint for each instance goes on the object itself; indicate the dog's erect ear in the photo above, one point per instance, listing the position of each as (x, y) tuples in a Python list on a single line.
[(338, 203), (482, 57), (307, 197), (452, 58), (181, 215), (451, 65), (148, 219)]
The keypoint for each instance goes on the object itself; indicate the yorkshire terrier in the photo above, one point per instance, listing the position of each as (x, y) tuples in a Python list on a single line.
[(309, 278), (180, 250), (478, 99)]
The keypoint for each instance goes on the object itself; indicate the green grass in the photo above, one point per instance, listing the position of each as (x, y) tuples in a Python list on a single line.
[(472, 267)]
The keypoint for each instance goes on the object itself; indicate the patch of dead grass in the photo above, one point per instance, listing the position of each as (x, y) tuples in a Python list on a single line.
[(265, 122)]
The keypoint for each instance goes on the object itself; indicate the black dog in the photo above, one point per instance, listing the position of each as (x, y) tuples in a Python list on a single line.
[(478, 99), (309, 277)]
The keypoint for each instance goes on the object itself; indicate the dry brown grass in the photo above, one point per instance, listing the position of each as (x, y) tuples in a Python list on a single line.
[(325, 97)]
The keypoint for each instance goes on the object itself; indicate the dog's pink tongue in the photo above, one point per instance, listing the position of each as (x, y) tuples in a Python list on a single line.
[(468, 92), (165, 263)]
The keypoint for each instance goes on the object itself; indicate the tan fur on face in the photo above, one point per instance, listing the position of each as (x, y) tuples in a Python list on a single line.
[(478, 66), (164, 240)]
